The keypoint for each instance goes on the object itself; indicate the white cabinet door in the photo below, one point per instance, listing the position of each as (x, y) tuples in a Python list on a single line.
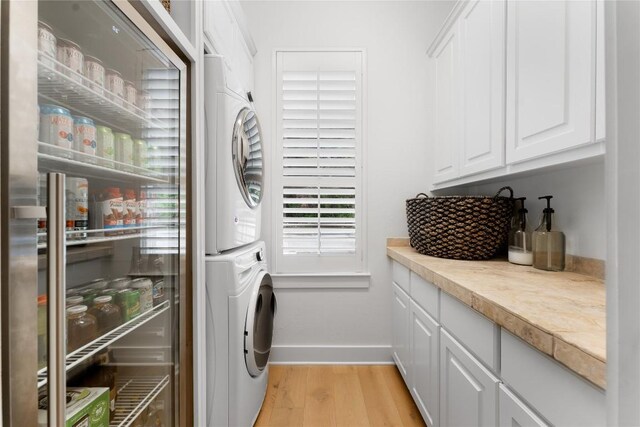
[(220, 28), (445, 150), (482, 71), (514, 412), (468, 391), (425, 387), (400, 313), (551, 75)]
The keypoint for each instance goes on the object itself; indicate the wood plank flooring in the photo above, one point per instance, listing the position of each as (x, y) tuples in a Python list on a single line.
[(337, 395)]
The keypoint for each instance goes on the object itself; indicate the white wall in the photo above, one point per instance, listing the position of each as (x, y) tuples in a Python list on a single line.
[(578, 199), (350, 324)]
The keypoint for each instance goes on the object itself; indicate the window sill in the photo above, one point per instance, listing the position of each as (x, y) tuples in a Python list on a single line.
[(321, 281)]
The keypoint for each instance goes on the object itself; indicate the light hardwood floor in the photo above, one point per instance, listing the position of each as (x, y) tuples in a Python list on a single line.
[(337, 395)]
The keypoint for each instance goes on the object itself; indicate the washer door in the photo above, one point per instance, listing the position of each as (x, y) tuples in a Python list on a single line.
[(247, 156), (258, 330)]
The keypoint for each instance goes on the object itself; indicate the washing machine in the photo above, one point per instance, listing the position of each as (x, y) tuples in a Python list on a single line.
[(241, 307), (234, 165)]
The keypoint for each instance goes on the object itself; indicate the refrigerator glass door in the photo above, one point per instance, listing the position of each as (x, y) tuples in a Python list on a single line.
[(111, 134)]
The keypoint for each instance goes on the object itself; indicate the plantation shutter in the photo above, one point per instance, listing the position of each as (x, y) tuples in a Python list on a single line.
[(319, 146)]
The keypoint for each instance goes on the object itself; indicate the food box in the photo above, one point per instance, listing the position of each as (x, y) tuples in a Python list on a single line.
[(86, 407)]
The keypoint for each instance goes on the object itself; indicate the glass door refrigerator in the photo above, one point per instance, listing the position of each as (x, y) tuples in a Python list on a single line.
[(93, 217)]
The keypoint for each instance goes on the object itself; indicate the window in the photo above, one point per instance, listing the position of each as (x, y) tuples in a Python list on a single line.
[(317, 183)]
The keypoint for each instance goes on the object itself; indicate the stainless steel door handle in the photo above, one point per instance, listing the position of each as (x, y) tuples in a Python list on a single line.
[(28, 212), (56, 283)]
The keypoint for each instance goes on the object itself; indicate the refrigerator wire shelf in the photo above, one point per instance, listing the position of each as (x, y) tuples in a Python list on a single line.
[(58, 159), (84, 353), (134, 396), (62, 86)]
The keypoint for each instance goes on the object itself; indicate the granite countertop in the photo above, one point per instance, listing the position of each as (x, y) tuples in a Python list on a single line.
[(561, 314)]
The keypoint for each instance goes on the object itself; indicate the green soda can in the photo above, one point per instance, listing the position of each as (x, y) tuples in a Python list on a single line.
[(129, 302), (105, 143), (140, 153)]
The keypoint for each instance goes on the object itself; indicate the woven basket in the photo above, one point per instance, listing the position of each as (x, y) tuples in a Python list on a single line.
[(460, 227)]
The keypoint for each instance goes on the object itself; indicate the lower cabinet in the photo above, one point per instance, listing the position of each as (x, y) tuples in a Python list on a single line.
[(400, 318), (425, 347), (514, 412), (468, 391)]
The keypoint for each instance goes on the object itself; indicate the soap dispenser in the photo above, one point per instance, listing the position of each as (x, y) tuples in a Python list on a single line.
[(520, 237), (548, 242)]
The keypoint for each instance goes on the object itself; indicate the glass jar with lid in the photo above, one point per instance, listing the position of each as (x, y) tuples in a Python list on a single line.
[(106, 313), (82, 328)]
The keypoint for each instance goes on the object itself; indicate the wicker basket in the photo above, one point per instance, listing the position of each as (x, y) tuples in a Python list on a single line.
[(460, 227)]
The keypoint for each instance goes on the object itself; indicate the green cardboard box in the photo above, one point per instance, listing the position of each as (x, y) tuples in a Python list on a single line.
[(86, 407)]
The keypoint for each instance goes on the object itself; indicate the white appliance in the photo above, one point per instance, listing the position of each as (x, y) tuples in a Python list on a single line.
[(240, 310), (234, 168)]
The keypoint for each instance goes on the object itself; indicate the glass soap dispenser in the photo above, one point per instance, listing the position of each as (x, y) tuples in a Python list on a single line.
[(548, 241), (520, 237)]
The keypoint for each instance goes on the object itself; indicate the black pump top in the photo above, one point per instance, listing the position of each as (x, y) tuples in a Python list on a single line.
[(522, 208), (522, 214), (547, 211)]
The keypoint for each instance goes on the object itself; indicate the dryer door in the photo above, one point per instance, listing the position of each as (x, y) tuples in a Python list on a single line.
[(258, 330), (247, 156)]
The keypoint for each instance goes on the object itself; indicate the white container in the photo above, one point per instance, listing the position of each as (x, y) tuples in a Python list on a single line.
[(47, 44), (70, 55), (130, 95), (124, 148), (94, 72), (517, 256), (145, 287), (77, 208), (84, 135), (114, 84), (56, 126)]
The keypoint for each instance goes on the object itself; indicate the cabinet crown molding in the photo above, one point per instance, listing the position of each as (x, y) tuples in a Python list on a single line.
[(446, 25)]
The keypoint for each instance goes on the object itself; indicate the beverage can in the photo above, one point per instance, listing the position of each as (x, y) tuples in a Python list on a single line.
[(129, 302), (144, 100), (88, 296), (140, 153), (84, 135), (145, 287), (111, 210), (94, 72), (56, 126), (47, 44), (105, 143), (158, 292), (114, 84), (142, 208), (70, 55), (124, 148), (130, 95), (109, 291), (77, 208)]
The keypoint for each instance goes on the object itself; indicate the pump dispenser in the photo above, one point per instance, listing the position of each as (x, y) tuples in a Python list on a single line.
[(520, 237), (548, 241)]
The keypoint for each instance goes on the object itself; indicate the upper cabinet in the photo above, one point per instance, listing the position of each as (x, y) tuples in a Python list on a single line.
[(482, 70), (446, 99), (519, 85), (226, 31), (551, 78)]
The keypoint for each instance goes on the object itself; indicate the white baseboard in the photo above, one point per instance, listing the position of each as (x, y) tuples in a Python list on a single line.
[(348, 355)]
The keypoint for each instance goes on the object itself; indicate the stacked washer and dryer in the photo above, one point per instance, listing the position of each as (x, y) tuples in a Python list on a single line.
[(240, 300)]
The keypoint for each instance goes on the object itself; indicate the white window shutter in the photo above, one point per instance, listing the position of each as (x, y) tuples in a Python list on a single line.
[(320, 173)]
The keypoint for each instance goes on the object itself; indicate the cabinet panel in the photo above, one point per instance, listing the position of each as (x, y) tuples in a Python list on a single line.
[(426, 295), (558, 394), (445, 149), (401, 276), (401, 318), (425, 387), (468, 391), (482, 70), (514, 412), (550, 77)]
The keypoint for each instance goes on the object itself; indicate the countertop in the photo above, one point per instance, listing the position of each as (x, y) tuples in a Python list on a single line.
[(561, 314)]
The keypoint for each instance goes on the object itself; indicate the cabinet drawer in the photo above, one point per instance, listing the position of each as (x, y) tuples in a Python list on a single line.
[(426, 295), (401, 276), (514, 412), (556, 393), (479, 334)]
